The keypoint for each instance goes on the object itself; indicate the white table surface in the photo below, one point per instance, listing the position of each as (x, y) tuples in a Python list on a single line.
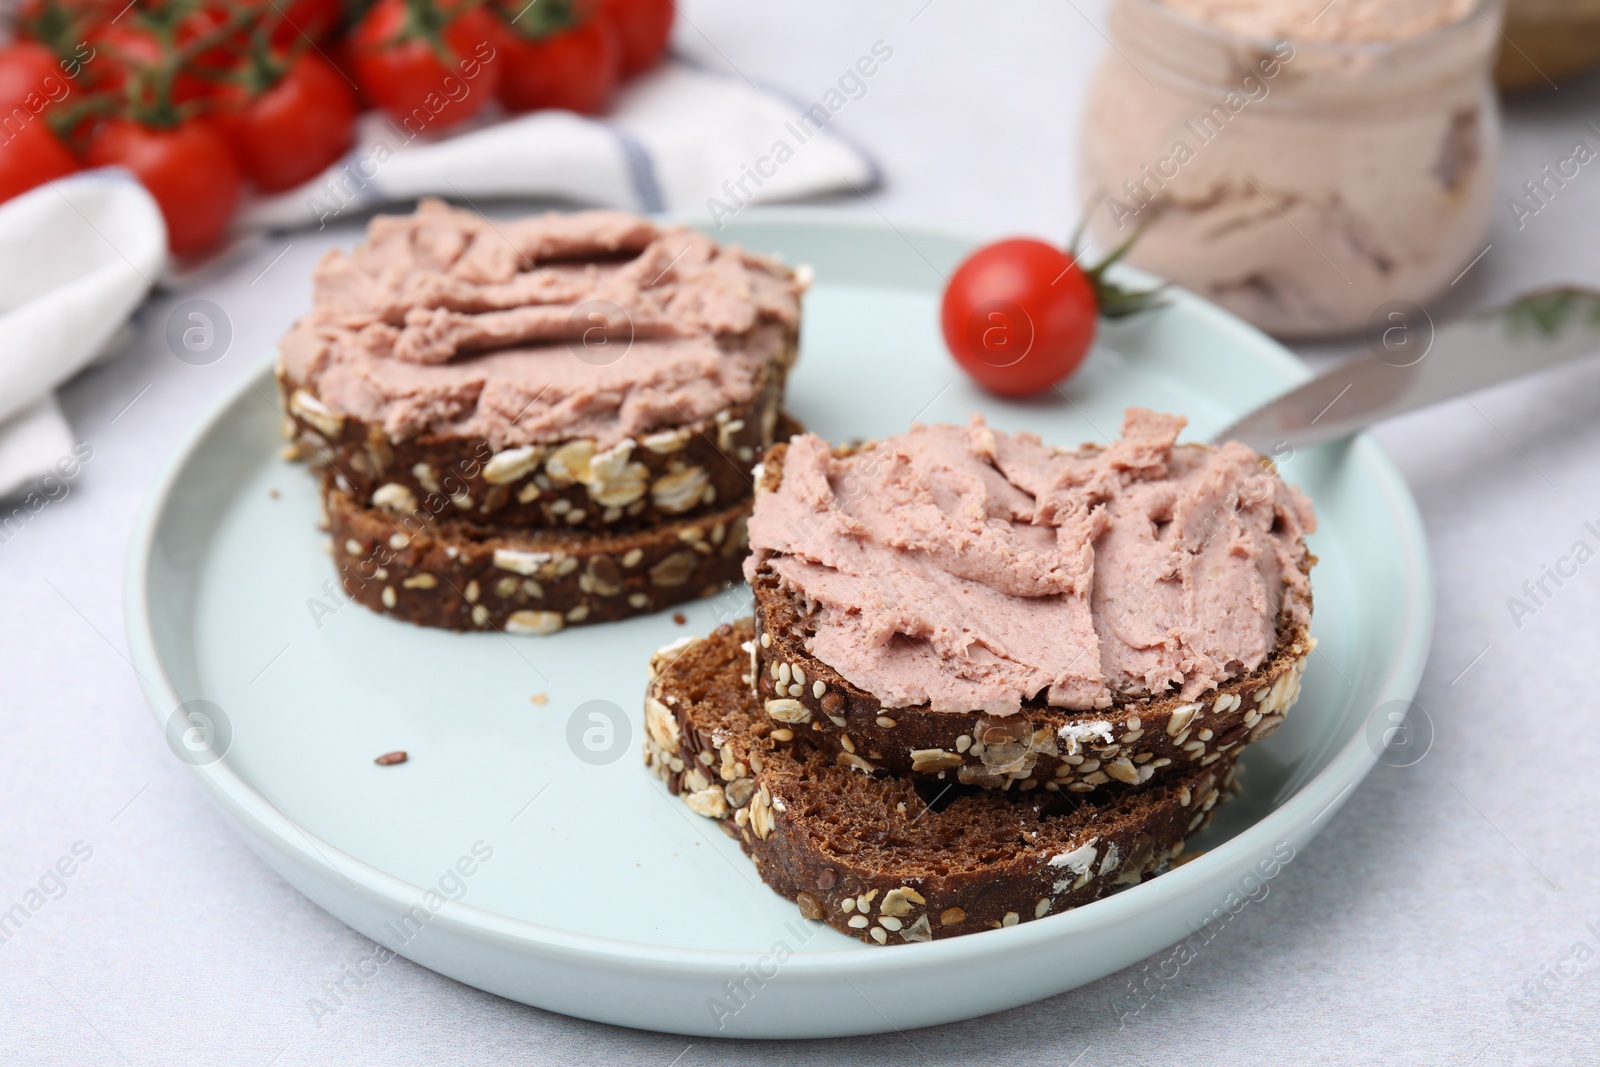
[(1444, 895)]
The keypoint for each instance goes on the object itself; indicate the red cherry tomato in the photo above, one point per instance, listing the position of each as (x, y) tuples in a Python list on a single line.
[(187, 168), (29, 70), (644, 26), (33, 156), (296, 129), (399, 67), (313, 20), (573, 69), (1019, 316)]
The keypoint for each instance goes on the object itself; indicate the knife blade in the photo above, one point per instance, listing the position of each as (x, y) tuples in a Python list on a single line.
[(1411, 366)]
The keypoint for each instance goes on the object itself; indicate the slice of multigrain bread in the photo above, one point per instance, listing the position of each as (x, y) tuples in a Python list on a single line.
[(657, 477), (1128, 744), (887, 859), (461, 576)]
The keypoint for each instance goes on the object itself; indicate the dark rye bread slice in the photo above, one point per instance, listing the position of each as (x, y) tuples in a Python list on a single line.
[(460, 576), (884, 858), (671, 473), (1127, 744)]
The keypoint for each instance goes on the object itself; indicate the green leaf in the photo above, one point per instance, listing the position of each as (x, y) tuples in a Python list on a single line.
[(1548, 312)]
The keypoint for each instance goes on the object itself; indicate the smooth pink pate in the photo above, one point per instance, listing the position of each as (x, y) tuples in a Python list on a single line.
[(969, 569), (445, 321)]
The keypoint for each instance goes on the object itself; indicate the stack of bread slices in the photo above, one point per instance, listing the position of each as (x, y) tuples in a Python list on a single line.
[(527, 424), (988, 680)]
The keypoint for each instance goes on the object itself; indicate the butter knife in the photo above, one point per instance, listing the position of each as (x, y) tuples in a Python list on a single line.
[(1410, 365)]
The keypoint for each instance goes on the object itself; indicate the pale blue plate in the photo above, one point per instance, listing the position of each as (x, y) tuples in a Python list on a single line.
[(524, 849)]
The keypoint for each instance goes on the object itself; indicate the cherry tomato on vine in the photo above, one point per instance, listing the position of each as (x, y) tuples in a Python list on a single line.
[(188, 168), (575, 69), (35, 81), (293, 130), (430, 65), (145, 51), (644, 26), (29, 70), (33, 156), (216, 34), (1019, 316), (31, 153)]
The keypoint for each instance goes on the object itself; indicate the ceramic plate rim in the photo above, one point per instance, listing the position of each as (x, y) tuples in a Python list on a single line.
[(1323, 794)]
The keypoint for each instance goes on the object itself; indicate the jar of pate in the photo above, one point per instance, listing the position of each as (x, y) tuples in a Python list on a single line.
[(1300, 173)]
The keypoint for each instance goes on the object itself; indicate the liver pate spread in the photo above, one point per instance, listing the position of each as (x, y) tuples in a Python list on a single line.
[(595, 324), (969, 569)]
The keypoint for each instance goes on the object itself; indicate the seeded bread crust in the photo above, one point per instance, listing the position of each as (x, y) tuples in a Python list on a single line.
[(674, 473), (459, 576), (1128, 744), (874, 856)]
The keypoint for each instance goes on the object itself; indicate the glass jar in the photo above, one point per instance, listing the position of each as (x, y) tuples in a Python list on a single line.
[(1300, 185)]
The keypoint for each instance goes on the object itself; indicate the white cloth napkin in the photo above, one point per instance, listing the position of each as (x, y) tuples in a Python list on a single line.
[(675, 139), (80, 255)]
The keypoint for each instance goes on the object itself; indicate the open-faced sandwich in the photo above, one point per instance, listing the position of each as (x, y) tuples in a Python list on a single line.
[(978, 661), (529, 423)]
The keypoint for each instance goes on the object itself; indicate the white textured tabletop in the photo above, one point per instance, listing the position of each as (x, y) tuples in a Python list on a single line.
[(1450, 913)]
